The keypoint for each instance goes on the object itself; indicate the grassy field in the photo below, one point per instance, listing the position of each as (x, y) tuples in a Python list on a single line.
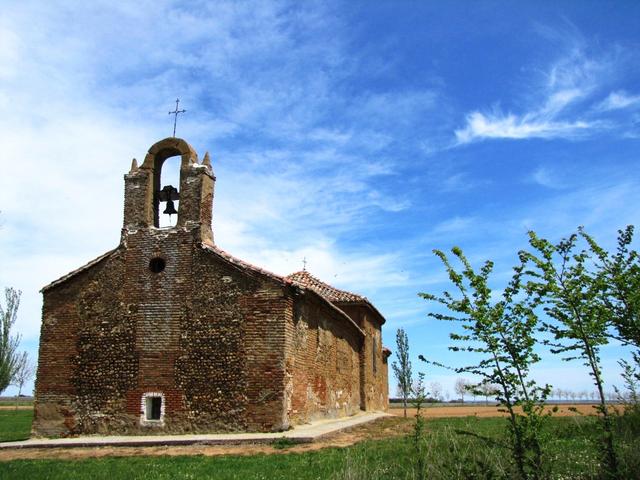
[(450, 453), (15, 425), (12, 403)]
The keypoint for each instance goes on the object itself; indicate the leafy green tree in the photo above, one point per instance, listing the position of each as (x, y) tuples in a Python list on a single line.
[(631, 393), (402, 368), (502, 333), (9, 356), (619, 274), (576, 298)]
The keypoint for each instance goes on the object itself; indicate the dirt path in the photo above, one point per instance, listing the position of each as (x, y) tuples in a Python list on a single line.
[(382, 428), (487, 411)]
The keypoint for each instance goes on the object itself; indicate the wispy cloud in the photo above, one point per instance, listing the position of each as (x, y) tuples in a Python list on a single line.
[(481, 126), (298, 160), (453, 225), (330, 139), (360, 271), (557, 103), (619, 100), (547, 178)]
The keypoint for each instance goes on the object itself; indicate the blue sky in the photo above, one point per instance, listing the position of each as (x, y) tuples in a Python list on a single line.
[(360, 135)]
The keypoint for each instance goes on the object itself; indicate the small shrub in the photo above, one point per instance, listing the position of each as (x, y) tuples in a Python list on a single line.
[(283, 443)]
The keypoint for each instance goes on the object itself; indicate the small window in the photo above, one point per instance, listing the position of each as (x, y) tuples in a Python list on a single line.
[(154, 408), (157, 264)]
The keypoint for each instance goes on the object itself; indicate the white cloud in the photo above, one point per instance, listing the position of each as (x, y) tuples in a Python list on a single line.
[(575, 73), (481, 126), (561, 99), (452, 225), (304, 168), (555, 101), (256, 85), (360, 272), (546, 177), (9, 52), (456, 182), (619, 100)]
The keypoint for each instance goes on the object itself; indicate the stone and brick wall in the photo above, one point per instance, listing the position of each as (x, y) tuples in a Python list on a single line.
[(202, 332), (323, 369), (87, 360), (243, 319), (226, 346), (373, 363)]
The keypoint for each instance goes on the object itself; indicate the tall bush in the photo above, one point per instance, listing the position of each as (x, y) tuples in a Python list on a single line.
[(501, 332), (575, 299)]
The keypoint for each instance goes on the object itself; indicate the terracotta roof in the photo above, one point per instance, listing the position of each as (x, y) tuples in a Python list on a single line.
[(327, 291), (286, 280), (332, 294)]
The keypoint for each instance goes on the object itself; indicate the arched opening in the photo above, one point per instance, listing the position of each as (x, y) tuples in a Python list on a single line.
[(166, 188), (165, 179)]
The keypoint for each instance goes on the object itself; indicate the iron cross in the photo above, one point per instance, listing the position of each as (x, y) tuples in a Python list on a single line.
[(304, 264), (175, 118)]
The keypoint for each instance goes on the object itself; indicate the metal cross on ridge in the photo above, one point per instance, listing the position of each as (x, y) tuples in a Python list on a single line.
[(175, 118), (304, 264)]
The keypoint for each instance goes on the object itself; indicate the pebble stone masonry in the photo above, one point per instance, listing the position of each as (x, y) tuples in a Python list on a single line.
[(168, 334)]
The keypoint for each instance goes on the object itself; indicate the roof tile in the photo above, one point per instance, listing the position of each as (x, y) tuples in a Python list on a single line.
[(332, 294)]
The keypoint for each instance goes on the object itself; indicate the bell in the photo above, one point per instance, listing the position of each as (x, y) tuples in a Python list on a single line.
[(170, 209), (168, 194)]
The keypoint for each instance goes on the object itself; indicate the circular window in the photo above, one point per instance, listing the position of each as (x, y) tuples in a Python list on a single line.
[(156, 265)]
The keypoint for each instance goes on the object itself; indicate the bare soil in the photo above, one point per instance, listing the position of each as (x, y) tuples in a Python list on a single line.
[(381, 428), (488, 411)]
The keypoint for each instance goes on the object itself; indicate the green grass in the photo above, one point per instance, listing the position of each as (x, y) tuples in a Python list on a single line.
[(571, 446), (291, 466), (15, 425), (12, 403)]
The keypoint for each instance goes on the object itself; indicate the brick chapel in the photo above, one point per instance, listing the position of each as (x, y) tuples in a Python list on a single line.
[(168, 333)]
